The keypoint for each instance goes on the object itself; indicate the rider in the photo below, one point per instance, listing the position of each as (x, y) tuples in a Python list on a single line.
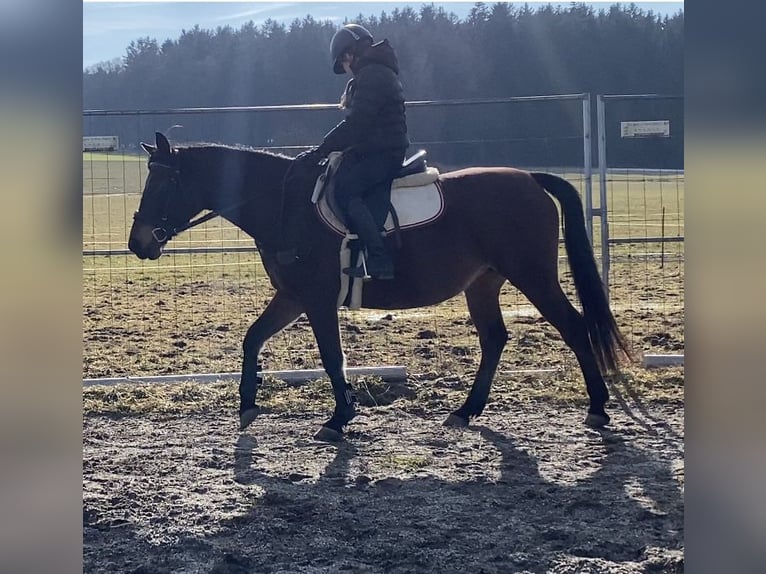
[(373, 136)]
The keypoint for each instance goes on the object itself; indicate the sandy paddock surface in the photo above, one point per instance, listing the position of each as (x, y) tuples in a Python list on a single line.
[(170, 485)]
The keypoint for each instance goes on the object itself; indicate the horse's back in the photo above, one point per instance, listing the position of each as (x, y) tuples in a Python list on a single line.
[(500, 210), (503, 188), (472, 172), (491, 180)]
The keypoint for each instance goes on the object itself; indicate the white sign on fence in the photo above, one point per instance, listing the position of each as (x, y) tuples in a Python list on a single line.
[(100, 143), (654, 128)]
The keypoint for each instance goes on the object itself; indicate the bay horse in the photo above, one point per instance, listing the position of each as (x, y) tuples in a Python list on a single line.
[(498, 224)]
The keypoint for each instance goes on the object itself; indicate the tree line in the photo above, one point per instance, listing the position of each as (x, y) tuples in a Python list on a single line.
[(497, 51)]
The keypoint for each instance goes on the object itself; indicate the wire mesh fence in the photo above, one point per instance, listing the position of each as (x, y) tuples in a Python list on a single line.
[(644, 210), (188, 311)]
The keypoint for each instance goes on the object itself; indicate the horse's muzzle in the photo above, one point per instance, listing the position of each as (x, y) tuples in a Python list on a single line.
[(143, 243)]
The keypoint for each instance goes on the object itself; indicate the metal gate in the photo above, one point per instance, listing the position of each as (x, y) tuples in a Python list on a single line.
[(641, 211)]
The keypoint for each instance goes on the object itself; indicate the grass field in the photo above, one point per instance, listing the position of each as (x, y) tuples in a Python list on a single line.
[(112, 184), (188, 312)]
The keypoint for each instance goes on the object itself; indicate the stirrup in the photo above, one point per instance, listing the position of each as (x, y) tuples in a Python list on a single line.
[(361, 271)]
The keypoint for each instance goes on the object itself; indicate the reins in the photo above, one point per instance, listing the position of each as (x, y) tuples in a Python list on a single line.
[(167, 235), (208, 216)]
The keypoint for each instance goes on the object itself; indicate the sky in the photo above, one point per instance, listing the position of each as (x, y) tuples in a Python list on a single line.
[(109, 27)]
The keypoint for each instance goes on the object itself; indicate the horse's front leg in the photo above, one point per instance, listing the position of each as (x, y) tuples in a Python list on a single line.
[(279, 313), (324, 323)]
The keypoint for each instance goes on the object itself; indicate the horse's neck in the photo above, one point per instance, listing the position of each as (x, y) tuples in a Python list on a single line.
[(244, 187)]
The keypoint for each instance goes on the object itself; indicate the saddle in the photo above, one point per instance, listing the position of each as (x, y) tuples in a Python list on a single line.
[(415, 199)]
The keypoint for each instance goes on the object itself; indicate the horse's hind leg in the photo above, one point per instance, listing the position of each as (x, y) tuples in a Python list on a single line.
[(544, 292), (484, 306), (279, 313)]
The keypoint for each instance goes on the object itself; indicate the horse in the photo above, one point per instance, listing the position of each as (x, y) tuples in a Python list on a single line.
[(498, 224)]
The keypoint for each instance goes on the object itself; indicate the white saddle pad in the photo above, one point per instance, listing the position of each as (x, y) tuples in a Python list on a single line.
[(414, 205)]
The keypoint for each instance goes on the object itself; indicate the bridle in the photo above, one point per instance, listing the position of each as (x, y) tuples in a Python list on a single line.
[(165, 231)]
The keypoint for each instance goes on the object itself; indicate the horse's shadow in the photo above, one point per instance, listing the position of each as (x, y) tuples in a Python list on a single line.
[(334, 473), (629, 504), (628, 509), (623, 506)]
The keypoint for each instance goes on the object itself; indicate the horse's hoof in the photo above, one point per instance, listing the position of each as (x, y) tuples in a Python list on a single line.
[(456, 422), (326, 434), (596, 421), (246, 418)]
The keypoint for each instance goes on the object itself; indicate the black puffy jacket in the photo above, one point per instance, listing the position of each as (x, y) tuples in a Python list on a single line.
[(376, 119)]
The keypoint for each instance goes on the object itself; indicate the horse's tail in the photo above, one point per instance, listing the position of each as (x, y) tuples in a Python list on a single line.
[(605, 337)]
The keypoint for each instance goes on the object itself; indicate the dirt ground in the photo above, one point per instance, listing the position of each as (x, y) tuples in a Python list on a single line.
[(170, 485), (196, 324), (174, 487)]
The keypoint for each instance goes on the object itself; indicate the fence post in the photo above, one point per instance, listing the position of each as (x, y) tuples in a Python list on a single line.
[(588, 163), (602, 211)]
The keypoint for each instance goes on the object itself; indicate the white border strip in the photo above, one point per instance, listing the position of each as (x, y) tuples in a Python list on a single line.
[(663, 361), (386, 373)]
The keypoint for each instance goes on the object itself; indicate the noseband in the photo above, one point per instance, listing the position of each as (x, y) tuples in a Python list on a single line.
[(164, 232)]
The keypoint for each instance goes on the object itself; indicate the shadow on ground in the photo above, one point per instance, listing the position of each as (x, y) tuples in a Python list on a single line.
[(417, 498)]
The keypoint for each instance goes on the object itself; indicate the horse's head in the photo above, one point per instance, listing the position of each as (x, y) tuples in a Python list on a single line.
[(165, 205)]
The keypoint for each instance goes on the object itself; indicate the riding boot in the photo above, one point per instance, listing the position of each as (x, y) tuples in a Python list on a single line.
[(379, 264)]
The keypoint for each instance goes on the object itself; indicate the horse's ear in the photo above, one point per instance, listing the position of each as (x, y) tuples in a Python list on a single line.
[(150, 149), (163, 145)]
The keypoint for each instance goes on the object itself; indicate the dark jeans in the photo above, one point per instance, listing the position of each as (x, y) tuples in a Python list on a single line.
[(366, 176)]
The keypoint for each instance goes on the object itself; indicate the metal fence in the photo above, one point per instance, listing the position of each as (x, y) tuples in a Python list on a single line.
[(187, 312), (446, 128), (641, 211)]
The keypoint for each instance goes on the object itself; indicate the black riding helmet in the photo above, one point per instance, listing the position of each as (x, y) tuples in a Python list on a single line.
[(347, 39)]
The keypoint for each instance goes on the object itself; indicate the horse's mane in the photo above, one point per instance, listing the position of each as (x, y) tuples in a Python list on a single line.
[(194, 146)]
